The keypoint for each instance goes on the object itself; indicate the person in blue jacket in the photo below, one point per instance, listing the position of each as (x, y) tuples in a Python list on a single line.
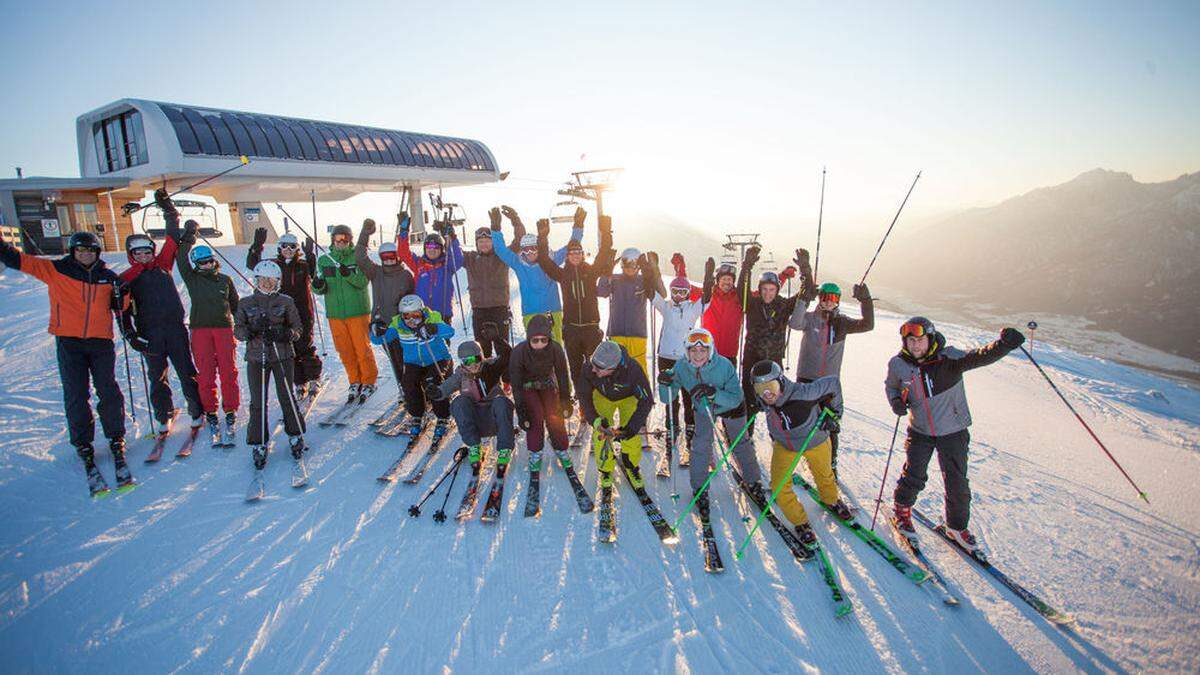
[(434, 271), (629, 294), (424, 339), (539, 293)]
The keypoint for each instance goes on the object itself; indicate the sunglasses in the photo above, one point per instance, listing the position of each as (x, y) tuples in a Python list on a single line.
[(142, 251), (291, 247), (913, 330), (88, 249), (830, 297), (539, 340)]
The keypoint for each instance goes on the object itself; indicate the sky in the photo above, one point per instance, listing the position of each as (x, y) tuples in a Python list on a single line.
[(723, 114)]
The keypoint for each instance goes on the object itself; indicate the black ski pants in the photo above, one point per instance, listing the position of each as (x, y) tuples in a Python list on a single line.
[(952, 458), (81, 363), (415, 377), (171, 347), (258, 378)]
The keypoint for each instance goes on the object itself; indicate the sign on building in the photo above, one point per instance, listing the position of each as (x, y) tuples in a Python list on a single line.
[(50, 228), (251, 213)]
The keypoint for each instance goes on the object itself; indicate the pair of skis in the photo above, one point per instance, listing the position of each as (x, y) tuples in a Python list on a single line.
[(410, 437), (258, 488), (607, 531), (160, 442), (342, 415)]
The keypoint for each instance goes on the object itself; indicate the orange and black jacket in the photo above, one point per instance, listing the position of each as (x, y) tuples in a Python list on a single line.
[(81, 299)]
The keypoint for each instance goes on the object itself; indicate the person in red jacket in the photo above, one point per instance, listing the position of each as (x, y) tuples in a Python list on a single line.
[(723, 318)]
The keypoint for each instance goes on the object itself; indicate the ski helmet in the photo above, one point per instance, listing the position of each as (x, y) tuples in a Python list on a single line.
[(726, 269), (769, 278), (681, 284), (268, 269), (766, 376), (917, 326), (136, 241), (607, 355), (411, 304), (574, 245), (630, 256), (387, 251), (289, 239), (435, 239), (340, 231), (469, 352), (830, 288), (201, 253), (529, 241), (84, 239), (699, 337), (483, 233)]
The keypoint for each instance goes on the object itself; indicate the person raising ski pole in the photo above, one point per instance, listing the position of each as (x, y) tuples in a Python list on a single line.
[(925, 381), (83, 296), (390, 282), (767, 315), (347, 306), (299, 267), (539, 293)]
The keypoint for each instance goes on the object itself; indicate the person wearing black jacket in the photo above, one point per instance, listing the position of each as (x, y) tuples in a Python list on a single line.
[(541, 389), (767, 316), (577, 281), (480, 408), (615, 398), (299, 267)]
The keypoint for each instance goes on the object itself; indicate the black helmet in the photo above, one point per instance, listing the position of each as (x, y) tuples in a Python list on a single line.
[(341, 229), (83, 239), (435, 239), (469, 350)]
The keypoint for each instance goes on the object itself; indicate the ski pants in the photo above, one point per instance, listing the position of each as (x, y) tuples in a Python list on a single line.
[(215, 352), (172, 345), (307, 365), (81, 363), (478, 420), (703, 460), (636, 346), (579, 341), (415, 377), (781, 479), (689, 412), (258, 378), (615, 412), (354, 348), (491, 325), (541, 405), (556, 332), (952, 458)]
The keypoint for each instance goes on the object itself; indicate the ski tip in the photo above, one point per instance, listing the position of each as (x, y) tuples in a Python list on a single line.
[(126, 488), (951, 601), (843, 608), (101, 494)]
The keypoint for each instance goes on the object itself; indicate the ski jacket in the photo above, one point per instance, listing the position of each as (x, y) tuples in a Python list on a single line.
[(627, 380), (767, 327), (296, 282), (214, 297), (797, 410), (487, 280), (933, 389), (627, 296), (718, 371), (81, 299), (539, 293), (679, 318), (435, 278), (544, 368), (255, 314), (578, 282), (723, 317), (483, 387), (345, 296), (419, 352), (389, 283), (156, 304), (823, 338)]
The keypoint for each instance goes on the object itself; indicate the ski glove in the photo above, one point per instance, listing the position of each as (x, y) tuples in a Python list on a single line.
[(309, 247), (402, 223), (425, 332), (703, 390), (260, 237), (137, 342), (899, 407), (163, 201), (623, 434), (494, 218), (566, 406), (318, 284), (751, 256), (666, 378), (431, 390), (523, 419), (278, 334), (344, 270), (378, 328), (1012, 338), (861, 293), (368, 227)]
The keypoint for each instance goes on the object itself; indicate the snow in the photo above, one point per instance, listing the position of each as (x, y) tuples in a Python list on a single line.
[(181, 574)]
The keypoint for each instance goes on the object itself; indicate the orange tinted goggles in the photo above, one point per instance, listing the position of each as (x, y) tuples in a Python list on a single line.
[(913, 330)]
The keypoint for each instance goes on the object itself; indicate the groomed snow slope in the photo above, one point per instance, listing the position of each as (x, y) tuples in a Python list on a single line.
[(181, 574)]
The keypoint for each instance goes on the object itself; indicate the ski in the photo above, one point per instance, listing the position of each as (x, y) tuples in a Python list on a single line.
[(391, 414), (258, 488), (416, 428), (877, 544), (185, 450), (97, 486), (841, 603), (491, 508), (581, 432), (607, 532), (467, 508), (663, 470), (299, 473), (948, 595), (1051, 614), (160, 439), (708, 542), (393, 428), (441, 431), (685, 453), (582, 499), (309, 400), (351, 410), (799, 551), (533, 497), (660, 524)]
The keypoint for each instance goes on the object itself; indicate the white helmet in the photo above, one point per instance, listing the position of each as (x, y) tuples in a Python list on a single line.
[(289, 238), (387, 247), (529, 241), (268, 269), (411, 303), (138, 241), (630, 255)]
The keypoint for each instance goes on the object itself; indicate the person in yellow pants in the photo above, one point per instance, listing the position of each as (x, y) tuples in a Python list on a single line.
[(615, 398), (792, 411), (348, 307)]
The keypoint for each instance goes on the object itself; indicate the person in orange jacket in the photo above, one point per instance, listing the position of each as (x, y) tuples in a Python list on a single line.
[(84, 294)]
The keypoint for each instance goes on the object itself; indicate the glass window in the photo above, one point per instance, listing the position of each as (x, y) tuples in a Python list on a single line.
[(224, 137), (400, 145), (344, 142), (63, 213), (278, 147), (309, 129), (289, 139), (331, 143), (306, 143), (141, 154), (204, 133), (241, 137), (183, 130), (86, 217), (262, 147), (386, 148)]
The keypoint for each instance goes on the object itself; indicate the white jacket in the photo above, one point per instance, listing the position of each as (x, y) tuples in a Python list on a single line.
[(678, 320)]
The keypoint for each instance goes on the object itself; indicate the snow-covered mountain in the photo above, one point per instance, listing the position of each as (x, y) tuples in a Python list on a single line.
[(182, 575)]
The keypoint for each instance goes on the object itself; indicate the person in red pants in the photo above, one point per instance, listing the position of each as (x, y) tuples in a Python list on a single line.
[(541, 389)]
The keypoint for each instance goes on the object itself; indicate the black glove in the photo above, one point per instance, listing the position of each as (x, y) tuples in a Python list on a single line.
[(523, 418), (136, 342), (830, 424), (899, 406), (378, 327), (368, 227), (861, 293), (310, 247), (117, 302), (1012, 338), (566, 406), (494, 218), (751, 256), (431, 390), (623, 434), (425, 332), (704, 390), (652, 260), (260, 237), (190, 228), (488, 332), (543, 226), (344, 270), (666, 378), (605, 224), (710, 268), (801, 259), (318, 284), (163, 200)]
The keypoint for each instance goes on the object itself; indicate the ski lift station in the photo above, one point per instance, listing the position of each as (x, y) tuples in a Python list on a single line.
[(132, 146)]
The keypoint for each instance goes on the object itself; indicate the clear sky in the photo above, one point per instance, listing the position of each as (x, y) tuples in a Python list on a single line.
[(723, 113)]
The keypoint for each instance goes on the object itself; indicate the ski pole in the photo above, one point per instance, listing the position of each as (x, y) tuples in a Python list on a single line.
[(291, 395), (415, 509), (129, 382), (885, 234), (439, 516), (786, 482), (820, 217), (131, 207), (720, 463), (1096, 438), (888, 465)]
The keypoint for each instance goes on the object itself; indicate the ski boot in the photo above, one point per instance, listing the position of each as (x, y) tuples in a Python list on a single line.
[(230, 420), (902, 517), (805, 534), (502, 458), (631, 470), (702, 505), (259, 454), (299, 472), (197, 422), (125, 480), (964, 539), (841, 511), (474, 458), (364, 392), (161, 427), (97, 486), (353, 394), (606, 480)]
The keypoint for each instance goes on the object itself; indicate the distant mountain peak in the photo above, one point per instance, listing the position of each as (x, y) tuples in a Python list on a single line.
[(1100, 176)]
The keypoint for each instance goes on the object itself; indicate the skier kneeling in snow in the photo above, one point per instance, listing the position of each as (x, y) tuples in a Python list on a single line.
[(926, 379), (541, 389), (792, 410), (267, 321), (425, 341), (711, 381), (480, 408), (614, 386)]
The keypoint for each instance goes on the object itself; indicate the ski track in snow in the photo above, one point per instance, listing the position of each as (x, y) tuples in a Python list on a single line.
[(182, 575)]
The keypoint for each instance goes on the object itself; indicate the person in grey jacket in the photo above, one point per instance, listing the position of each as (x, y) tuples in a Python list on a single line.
[(390, 281), (488, 289), (925, 382), (267, 321), (479, 406)]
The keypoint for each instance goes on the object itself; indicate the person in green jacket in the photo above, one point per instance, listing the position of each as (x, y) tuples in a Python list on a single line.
[(348, 308), (214, 349)]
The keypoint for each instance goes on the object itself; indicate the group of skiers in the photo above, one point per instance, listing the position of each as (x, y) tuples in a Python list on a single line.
[(721, 347)]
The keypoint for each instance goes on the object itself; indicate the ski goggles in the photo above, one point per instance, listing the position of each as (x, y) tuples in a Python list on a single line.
[(341, 239), (432, 245), (830, 297), (539, 340), (472, 360), (914, 329), (699, 340), (205, 262), (141, 250), (290, 247), (769, 387), (680, 293), (412, 316), (389, 257), (528, 250)]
